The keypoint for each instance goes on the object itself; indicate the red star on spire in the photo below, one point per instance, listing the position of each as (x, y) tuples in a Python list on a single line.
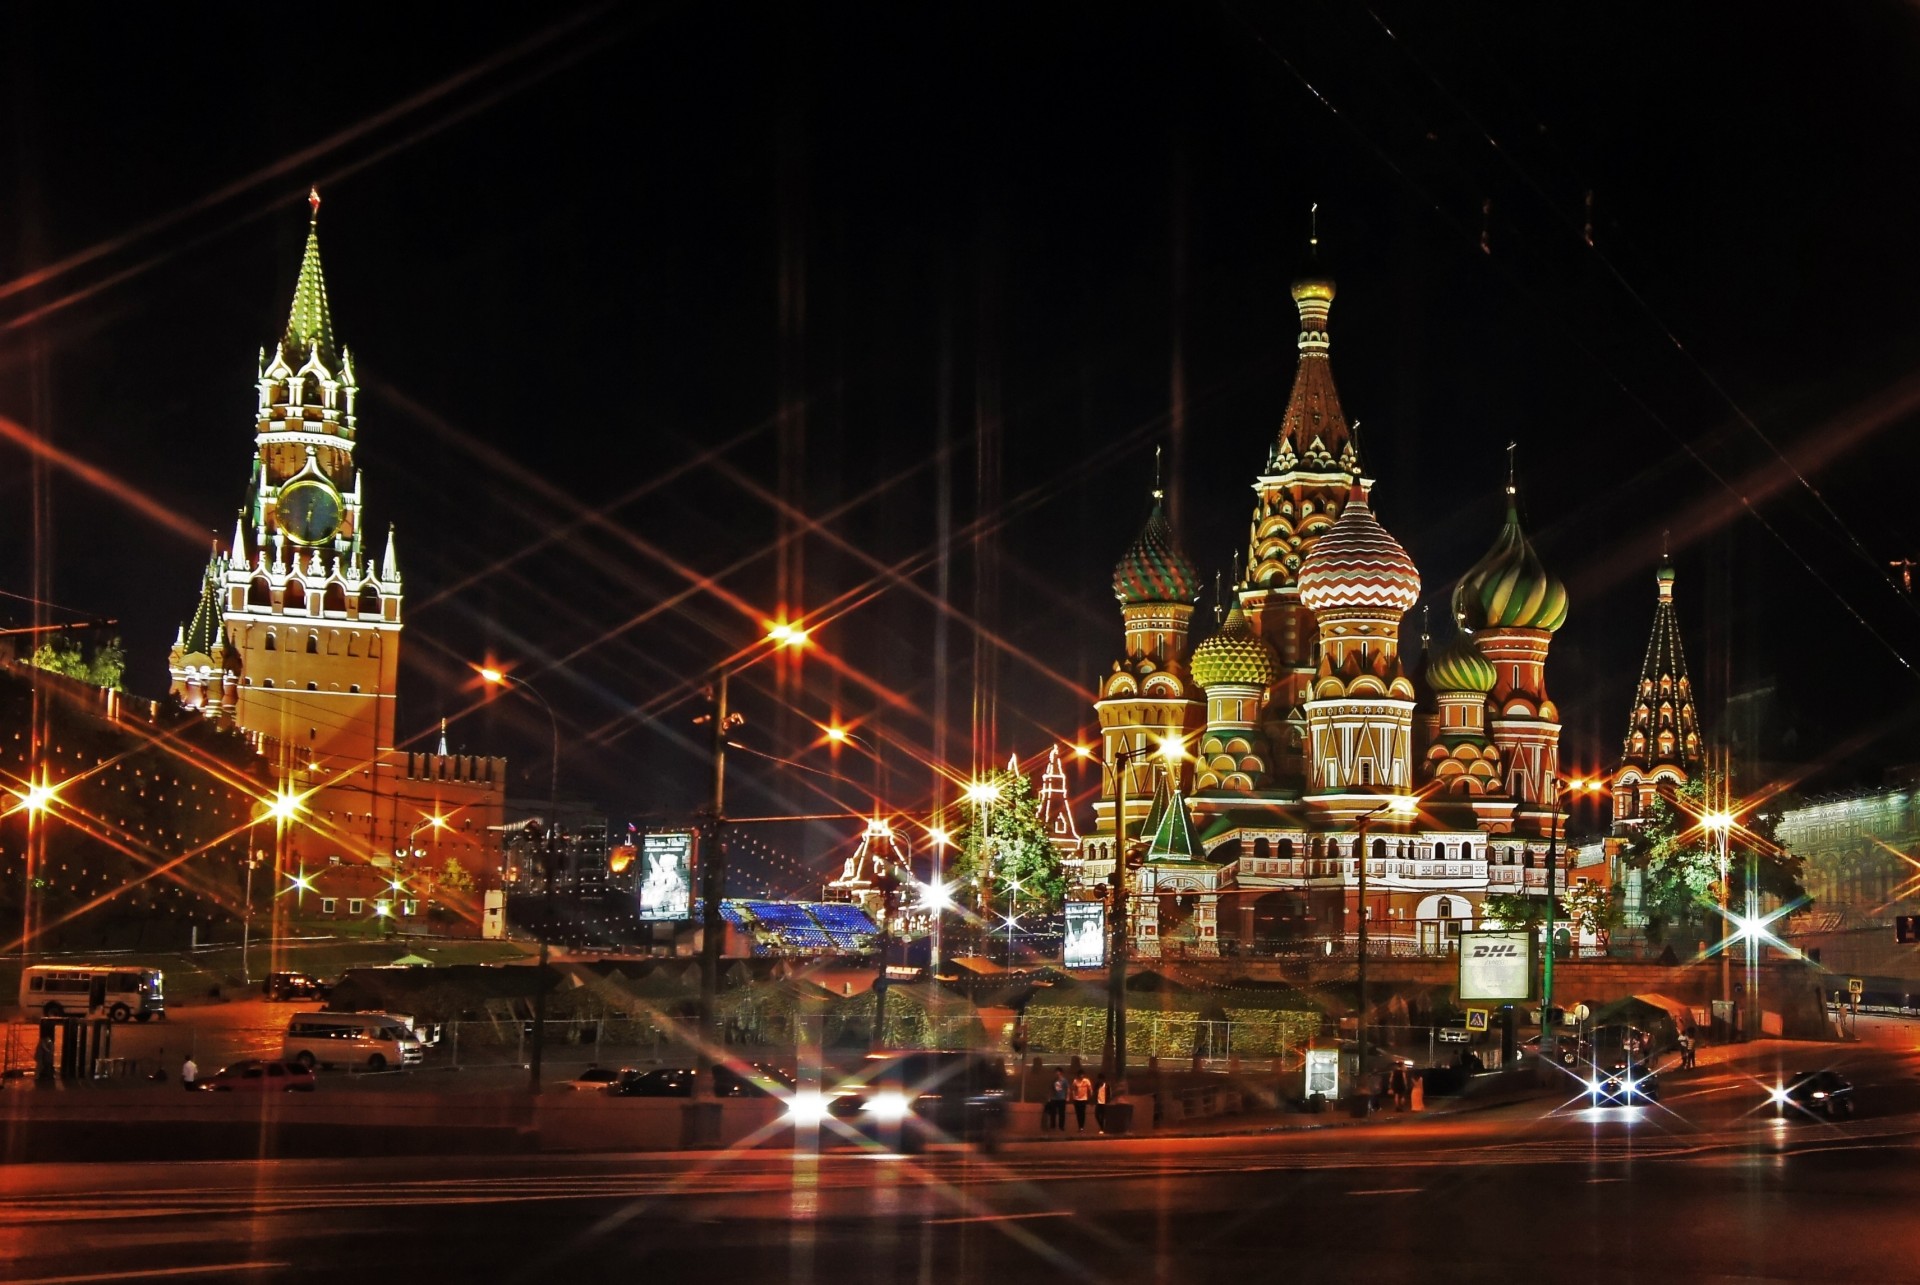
[(313, 199)]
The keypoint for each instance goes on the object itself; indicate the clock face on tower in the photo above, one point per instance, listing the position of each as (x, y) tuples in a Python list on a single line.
[(309, 512)]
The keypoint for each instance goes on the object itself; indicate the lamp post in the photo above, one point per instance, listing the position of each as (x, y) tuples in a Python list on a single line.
[(1172, 749), (283, 808), (34, 800), (1720, 824), (983, 795), (1401, 806), (498, 678), (1548, 1027), (713, 861), (936, 896)]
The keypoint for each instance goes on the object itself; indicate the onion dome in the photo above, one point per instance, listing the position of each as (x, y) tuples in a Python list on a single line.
[(1510, 588), (1235, 654), (1459, 666), (1355, 563), (1154, 569)]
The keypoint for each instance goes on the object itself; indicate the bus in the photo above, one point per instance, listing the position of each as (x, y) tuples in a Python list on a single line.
[(120, 992)]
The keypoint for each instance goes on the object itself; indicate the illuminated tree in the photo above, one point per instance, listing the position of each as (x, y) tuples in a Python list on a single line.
[(1680, 861), (1006, 843)]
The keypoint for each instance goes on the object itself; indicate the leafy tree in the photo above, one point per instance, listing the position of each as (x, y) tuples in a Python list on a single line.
[(1592, 908), (1680, 861), (1515, 909), (105, 668), (1006, 843)]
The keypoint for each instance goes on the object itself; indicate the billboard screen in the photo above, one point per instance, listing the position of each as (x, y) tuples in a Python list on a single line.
[(666, 875), (1496, 966), (1086, 934)]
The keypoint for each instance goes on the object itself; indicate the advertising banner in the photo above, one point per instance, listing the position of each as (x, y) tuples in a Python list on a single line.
[(1496, 966), (666, 877), (1086, 934), (1323, 1072)]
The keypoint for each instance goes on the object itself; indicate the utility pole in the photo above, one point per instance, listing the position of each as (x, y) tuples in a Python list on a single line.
[(713, 887)]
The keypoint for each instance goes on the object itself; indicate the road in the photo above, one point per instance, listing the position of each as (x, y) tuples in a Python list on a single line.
[(1703, 1187)]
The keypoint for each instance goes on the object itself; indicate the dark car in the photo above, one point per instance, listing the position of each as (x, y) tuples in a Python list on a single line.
[(680, 1082), (1623, 1083), (1810, 1093), (906, 1100), (255, 1076), (280, 986)]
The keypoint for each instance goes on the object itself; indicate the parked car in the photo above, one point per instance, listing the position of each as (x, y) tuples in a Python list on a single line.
[(1811, 1093), (284, 986), (592, 1080), (255, 1076), (906, 1100), (680, 1082)]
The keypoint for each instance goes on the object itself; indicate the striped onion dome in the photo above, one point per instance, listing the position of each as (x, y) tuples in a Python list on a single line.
[(1459, 666), (1355, 563), (1154, 569), (1510, 588), (1235, 654)]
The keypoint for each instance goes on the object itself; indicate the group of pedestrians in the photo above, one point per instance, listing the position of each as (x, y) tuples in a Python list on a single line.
[(1079, 1091)]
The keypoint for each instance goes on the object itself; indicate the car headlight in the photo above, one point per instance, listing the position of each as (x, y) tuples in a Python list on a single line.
[(1818, 1094), (1780, 1097), (807, 1107), (1594, 1086), (889, 1108)]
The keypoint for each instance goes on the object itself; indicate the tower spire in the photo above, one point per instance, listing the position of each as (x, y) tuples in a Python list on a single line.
[(310, 323), (1314, 435), (1662, 744)]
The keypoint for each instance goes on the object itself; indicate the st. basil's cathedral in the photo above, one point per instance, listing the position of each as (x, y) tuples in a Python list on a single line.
[(1304, 720)]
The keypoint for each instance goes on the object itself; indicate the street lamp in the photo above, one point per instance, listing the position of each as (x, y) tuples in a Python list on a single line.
[(937, 896), (1401, 806), (283, 807), (1171, 748), (1549, 1029), (35, 800), (1720, 824), (500, 679), (713, 863)]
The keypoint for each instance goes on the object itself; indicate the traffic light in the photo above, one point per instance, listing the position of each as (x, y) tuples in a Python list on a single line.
[(1906, 929)]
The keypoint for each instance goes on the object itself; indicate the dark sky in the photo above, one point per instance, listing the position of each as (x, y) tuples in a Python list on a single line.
[(706, 257)]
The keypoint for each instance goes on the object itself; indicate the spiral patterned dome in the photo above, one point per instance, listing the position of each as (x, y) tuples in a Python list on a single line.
[(1459, 666), (1355, 563), (1154, 569), (1510, 588), (1235, 654)]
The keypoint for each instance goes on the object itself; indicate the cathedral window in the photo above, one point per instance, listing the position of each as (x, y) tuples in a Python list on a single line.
[(1262, 848), (313, 687), (336, 599), (1439, 852), (1366, 772), (271, 644), (355, 689), (1286, 849), (313, 644), (1444, 907), (269, 682), (260, 593), (370, 601), (294, 596)]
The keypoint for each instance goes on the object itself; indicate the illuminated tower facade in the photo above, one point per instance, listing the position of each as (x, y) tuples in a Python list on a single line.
[(1358, 583), (1511, 606), (1149, 694), (1310, 470), (295, 638), (1662, 746)]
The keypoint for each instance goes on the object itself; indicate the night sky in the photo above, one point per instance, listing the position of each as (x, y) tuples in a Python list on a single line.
[(675, 267)]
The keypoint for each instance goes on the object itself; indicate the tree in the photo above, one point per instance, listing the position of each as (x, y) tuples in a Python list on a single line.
[(1679, 861), (1515, 909), (1592, 908), (1006, 845), (62, 655)]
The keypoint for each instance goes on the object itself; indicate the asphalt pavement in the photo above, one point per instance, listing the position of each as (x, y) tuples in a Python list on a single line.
[(1707, 1185)]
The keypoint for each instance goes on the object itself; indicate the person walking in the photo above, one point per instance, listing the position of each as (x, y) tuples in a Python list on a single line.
[(43, 1061), (1057, 1103), (1100, 1102), (1082, 1096), (189, 1074), (1401, 1090)]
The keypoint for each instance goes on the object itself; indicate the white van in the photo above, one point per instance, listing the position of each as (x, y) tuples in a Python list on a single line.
[(374, 1041)]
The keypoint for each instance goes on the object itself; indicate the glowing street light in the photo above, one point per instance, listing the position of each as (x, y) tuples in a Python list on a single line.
[(787, 635), (981, 793), (37, 797), (285, 805)]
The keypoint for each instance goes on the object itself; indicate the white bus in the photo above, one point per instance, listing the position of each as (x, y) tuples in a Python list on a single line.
[(121, 992), (373, 1041)]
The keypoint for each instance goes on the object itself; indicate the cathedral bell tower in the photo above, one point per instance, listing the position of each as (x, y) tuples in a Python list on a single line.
[(1311, 467), (1511, 605), (1150, 693), (1358, 583), (308, 640)]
